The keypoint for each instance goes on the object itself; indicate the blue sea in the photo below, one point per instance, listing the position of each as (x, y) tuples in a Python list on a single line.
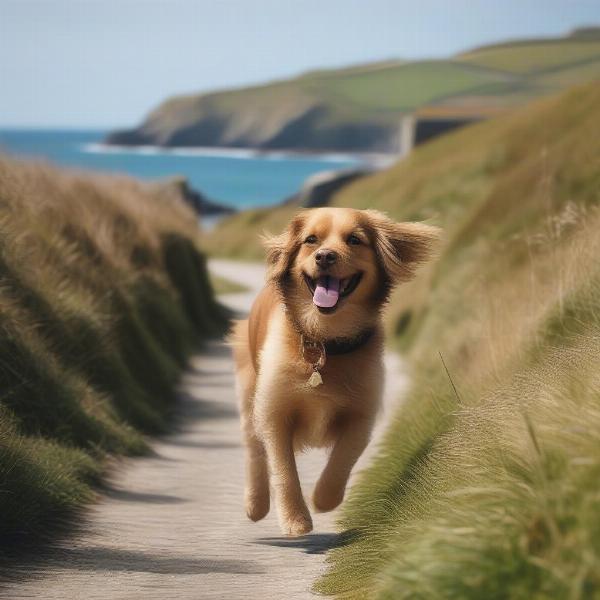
[(240, 178)]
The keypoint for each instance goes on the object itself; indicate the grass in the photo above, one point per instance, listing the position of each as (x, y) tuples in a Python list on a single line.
[(534, 56), (103, 296), (576, 74), (237, 236), (405, 87), (487, 484)]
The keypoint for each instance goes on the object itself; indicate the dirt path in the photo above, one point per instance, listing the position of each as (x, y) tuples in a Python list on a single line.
[(172, 525)]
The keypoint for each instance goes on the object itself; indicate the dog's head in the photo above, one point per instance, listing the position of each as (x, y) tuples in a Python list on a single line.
[(335, 267)]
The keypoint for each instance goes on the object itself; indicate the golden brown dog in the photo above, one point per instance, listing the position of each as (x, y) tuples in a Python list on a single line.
[(309, 358)]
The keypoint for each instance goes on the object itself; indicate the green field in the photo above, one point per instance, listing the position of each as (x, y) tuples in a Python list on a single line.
[(104, 295), (534, 57), (579, 73), (405, 87)]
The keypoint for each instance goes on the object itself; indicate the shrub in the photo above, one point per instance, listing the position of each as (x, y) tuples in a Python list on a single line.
[(103, 296)]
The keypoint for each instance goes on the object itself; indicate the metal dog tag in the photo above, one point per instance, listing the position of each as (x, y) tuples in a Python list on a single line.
[(306, 348), (315, 379)]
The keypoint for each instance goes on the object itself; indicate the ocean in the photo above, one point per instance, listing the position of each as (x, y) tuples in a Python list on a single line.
[(238, 177)]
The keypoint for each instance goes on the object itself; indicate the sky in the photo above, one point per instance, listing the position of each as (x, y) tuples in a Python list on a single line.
[(107, 63)]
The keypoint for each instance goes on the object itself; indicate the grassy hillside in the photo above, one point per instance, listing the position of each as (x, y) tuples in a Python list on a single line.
[(359, 108), (532, 57), (238, 236), (104, 295), (403, 87), (488, 481)]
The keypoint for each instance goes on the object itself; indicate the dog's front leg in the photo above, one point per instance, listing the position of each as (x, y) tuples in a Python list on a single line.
[(294, 516), (352, 440), (257, 478)]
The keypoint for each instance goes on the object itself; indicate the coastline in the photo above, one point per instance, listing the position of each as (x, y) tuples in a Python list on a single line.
[(219, 179), (315, 190)]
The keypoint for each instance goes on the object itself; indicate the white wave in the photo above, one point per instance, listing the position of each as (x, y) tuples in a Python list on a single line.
[(234, 153), (239, 153)]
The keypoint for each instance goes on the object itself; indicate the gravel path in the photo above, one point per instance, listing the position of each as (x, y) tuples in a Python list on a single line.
[(172, 525)]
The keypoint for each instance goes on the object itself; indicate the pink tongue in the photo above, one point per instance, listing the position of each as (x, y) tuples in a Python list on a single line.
[(327, 292)]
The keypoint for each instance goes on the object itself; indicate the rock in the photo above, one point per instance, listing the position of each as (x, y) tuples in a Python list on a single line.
[(128, 137), (201, 205), (319, 188)]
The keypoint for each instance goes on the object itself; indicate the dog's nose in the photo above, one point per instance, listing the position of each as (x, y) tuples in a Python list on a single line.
[(325, 258)]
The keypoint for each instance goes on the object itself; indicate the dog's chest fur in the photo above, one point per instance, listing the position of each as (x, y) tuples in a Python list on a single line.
[(351, 384)]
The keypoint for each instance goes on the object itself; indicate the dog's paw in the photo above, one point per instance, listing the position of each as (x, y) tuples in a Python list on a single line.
[(257, 506), (297, 525), (326, 498)]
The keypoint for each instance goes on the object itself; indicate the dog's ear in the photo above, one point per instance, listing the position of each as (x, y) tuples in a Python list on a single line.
[(401, 247), (281, 249)]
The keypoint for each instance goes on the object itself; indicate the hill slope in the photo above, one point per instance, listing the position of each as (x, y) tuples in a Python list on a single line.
[(104, 295), (359, 108), (488, 482)]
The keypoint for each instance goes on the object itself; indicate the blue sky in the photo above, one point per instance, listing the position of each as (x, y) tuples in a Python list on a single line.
[(94, 63)]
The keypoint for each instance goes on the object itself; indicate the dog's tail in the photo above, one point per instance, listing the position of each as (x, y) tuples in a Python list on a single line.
[(245, 375), (238, 334)]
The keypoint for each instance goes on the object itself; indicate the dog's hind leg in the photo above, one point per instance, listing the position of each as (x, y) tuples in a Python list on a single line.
[(353, 437)]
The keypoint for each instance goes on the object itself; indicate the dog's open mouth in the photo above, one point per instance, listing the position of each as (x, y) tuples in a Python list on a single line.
[(327, 290)]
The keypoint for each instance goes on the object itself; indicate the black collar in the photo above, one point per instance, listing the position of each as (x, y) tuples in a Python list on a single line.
[(338, 346), (315, 352)]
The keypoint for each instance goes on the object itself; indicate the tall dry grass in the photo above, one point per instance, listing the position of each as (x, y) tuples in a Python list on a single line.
[(103, 295), (488, 482)]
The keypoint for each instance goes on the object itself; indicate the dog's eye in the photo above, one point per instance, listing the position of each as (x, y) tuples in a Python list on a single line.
[(311, 239), (353, 240)]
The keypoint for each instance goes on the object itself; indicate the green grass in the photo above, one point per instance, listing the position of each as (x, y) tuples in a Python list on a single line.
[(571, 75), (104, 295), (405, 87), (487, 484), (533, 57), (238, 236)]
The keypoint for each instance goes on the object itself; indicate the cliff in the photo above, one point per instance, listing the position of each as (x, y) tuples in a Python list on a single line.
[(359, 109)]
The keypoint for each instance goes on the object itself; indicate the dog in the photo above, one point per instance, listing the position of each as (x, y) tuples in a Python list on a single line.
[(309, 368)]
